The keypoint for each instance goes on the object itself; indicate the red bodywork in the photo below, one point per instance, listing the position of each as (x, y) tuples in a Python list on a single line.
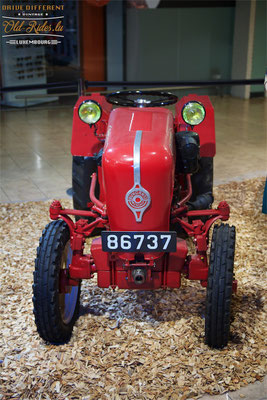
[(88, 140), (157, 166), (205, 130), (116, 132)]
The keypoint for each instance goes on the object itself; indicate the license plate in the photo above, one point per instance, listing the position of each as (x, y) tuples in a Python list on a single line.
[(139, 241)]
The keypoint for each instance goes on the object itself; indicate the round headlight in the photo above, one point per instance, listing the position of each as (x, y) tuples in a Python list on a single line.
[(90, 112), (193, 113)]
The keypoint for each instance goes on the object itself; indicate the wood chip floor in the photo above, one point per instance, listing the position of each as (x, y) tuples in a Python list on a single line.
[(134, 344)]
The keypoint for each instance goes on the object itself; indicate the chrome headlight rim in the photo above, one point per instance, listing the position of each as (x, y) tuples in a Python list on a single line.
[(90, 101), (190, 102)]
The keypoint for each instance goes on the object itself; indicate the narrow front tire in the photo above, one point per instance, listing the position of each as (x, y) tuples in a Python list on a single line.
[(219, 289), (56, 305)]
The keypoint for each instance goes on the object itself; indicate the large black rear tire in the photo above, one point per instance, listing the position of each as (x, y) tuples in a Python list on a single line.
[(82, 169), (219, 289), (202, 187), (55, 312)]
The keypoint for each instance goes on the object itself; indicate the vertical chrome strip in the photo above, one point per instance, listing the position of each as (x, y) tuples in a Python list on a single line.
[(136, 160), (137, 198)]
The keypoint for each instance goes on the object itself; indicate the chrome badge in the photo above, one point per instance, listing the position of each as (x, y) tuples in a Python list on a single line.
[(137, 199)]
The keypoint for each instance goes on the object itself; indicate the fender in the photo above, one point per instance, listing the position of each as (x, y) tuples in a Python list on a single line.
[(87, 140), (205, 130)]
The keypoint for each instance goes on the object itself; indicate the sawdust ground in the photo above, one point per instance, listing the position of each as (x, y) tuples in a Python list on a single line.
[(133, 344)]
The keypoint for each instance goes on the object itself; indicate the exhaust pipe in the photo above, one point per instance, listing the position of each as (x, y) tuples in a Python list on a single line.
[(139, 275)]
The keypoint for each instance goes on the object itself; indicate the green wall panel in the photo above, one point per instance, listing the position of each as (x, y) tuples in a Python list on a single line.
[(259, 61), (179, 43)]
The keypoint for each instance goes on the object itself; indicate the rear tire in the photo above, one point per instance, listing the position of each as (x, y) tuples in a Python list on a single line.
[(55, 312), (202, 188), (202, 184), (82, 169), (219, 289)]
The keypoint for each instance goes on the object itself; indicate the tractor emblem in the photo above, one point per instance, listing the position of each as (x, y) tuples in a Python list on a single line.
[(137, 199)]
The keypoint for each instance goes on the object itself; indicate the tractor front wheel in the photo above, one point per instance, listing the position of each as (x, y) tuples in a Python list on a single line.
[(56, 303), (219, 289)]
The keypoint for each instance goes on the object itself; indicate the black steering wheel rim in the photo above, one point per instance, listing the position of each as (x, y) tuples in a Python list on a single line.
[(122, 98)]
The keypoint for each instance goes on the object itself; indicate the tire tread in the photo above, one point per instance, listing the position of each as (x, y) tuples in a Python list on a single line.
[(219, 289), (45, 285)]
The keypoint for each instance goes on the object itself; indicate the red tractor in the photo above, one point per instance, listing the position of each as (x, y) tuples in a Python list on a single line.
[(142, 177)]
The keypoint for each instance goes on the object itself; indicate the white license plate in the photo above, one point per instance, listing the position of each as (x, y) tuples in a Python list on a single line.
[(139, 241)]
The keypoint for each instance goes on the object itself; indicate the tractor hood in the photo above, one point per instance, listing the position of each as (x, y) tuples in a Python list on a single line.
[(138, 169)]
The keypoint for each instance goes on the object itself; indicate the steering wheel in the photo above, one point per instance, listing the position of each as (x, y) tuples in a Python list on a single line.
[(138, 98)]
